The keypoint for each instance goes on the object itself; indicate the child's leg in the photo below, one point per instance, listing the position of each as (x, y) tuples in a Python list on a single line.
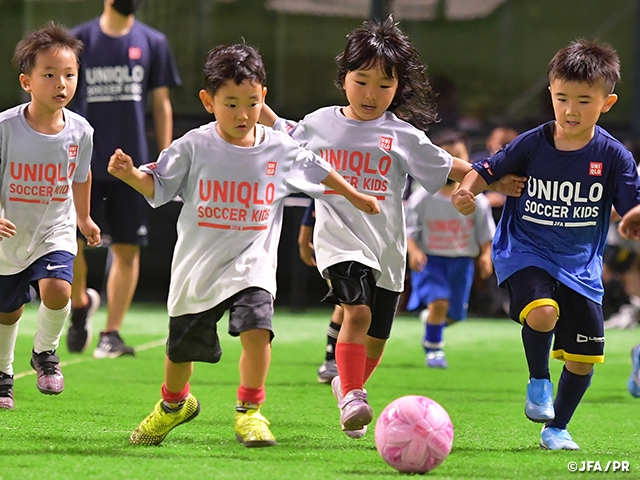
[(175, 389), (254, 365), (574, 382), (8, 336), (436, 321), (52, 313), (351, 353), (328, 370), (537, 334)]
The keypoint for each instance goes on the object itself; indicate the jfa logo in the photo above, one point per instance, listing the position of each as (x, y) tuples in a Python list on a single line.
[(73, 151), (595, 169), (385, 143), (135, 53), (271, 169)]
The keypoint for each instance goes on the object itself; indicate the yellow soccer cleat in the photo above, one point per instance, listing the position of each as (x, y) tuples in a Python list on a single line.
[(252, 429), (159, 423)]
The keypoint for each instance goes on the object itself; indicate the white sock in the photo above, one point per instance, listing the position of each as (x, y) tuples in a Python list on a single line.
[(50, 327), (8, 336)]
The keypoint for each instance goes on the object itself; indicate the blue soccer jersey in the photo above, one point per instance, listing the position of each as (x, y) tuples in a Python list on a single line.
[(561, 220), (116, 74)]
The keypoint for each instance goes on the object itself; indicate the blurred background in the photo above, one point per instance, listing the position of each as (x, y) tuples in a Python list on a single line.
[(487, 60)]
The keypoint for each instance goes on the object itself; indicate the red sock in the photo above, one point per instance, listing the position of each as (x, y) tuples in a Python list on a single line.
[(371, 365), (351, 359), (251, 396), (173, 397)]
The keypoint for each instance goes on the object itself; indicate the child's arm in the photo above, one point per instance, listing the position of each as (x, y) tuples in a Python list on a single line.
[(629, 226), (305, 243), (464, 198), (361, 201), (417, 258), (82, 202), (485, 266), (510, 184), (267, 116), (121, 167)]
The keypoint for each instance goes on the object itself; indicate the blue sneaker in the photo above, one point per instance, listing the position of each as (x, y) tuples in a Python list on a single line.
[(634, 380), (539, 405), (436, 359), (557, 439)]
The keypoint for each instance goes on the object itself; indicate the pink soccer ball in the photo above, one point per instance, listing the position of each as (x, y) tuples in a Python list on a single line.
[(414, 434)]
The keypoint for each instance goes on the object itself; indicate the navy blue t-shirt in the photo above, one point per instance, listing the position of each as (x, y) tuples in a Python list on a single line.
[(560, 222), (116, 74)]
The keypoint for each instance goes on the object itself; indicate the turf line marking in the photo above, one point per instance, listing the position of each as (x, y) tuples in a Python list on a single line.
[(140, 348)]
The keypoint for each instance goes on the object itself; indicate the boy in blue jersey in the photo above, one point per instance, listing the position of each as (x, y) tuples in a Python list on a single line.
[(548, 246)]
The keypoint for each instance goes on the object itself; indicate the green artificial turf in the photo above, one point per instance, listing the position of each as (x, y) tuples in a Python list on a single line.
[(83, 433)]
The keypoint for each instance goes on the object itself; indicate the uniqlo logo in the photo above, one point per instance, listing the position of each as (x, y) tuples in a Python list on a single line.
[(271, 168), (595, 169), (151, 166), (385, 143), (73, 151), (289, 127), (135, 53)]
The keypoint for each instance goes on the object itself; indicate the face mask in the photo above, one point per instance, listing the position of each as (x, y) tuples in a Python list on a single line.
[(126, 7)]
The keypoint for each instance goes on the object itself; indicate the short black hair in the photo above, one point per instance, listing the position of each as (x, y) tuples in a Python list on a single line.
[(238, 62), (586, 62), (51, 36)]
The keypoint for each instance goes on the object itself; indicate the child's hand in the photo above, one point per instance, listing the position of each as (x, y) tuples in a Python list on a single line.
[(511, 185), (120, 164), (7, 229), (464, 201), (417, 260), (366, 203), (629, 226), (91, 231), (307, 255), (485, 266)]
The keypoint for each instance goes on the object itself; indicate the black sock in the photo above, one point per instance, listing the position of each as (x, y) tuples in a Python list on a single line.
[(332, 339), (536, 348), (571, 388)]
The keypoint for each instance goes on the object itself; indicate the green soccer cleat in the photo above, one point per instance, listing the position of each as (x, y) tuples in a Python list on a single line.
[(159, 423), (252, 429)]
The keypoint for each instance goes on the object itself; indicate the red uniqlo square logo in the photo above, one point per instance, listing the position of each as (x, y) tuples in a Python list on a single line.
[(151, 166), (73, 151), (135, 53), (595, 169), (271, 169), (385, 143)]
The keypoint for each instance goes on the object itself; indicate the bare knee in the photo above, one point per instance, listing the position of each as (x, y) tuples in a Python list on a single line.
[(543, 318), (579, 368)]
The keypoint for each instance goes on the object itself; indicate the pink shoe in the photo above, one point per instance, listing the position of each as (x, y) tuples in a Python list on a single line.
[(47, 366), (355, 412)]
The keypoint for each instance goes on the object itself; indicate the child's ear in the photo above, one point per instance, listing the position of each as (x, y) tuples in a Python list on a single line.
[(612, 98), (264, 93), (25, 82), (207, 101)]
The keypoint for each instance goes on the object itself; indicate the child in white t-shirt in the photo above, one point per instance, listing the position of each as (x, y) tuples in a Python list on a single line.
[(232, 176)]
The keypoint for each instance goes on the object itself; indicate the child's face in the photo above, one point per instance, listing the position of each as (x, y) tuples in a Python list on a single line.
[(53, 80), (577, 107), (369, 93), (237, 109)]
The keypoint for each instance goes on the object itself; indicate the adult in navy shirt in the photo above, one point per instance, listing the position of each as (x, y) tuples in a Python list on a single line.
[(124, 62), (548, 247)]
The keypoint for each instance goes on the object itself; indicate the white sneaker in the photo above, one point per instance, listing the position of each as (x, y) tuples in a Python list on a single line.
[(626, 317)]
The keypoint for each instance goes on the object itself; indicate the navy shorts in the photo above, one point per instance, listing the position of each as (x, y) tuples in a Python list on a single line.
[(194, 337), (14, 289), (120, 211), (443, 278), (579, 333), (354, 284)]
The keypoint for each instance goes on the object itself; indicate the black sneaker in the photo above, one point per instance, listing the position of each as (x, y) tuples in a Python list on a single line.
[(79, 335), (6, 391), (111, 346), (47, 367)]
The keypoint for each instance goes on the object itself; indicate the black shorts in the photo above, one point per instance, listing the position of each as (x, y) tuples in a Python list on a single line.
[(579, 333), (194, 337), (120, 211), (354, 284), (618, 259)]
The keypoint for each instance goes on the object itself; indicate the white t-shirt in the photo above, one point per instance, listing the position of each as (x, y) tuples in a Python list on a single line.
[(37, 172), (441, 230), (375, 157), (229, 226)]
